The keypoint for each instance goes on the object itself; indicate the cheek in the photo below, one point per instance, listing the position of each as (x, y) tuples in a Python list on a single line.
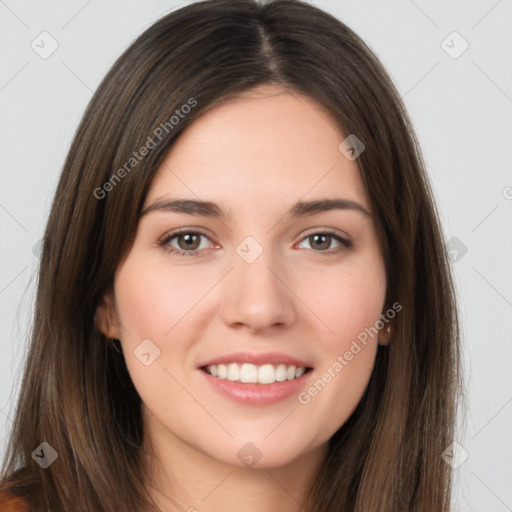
[(151, 300), (152, 304), (349, 300), (356, 307), (158, 303)]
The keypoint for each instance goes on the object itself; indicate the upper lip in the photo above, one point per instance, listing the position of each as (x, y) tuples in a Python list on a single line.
[(256, 359)]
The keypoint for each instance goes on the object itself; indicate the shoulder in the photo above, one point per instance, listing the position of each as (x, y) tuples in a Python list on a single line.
[(11, 503)]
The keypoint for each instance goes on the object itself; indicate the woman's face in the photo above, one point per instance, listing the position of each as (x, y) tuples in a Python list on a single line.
[(262, 285)]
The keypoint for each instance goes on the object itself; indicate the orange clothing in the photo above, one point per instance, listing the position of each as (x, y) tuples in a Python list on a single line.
[(11, 503)]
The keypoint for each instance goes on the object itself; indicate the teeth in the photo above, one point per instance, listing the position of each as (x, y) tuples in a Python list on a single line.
[(223, 371), (233, 372), (264, 374), (249, 373)]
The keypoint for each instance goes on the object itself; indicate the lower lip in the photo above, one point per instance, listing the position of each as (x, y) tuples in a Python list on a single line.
[(257, 394)]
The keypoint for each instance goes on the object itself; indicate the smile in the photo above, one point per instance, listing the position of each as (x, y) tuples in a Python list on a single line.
[(255, 374)]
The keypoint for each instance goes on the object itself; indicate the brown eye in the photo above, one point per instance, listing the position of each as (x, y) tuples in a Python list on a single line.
[(185, 243), (321, 242), (188, 241)]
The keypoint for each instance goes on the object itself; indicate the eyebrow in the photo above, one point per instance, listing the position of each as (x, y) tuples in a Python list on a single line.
[(211, 209)]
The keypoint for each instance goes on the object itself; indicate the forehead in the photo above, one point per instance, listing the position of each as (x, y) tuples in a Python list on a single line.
[(267, 146)]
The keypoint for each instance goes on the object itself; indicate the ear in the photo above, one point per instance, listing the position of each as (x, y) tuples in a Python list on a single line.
[(385, 334), (105, 317)]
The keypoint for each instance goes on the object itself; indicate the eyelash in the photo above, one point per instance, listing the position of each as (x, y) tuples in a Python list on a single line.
[(345, 244)]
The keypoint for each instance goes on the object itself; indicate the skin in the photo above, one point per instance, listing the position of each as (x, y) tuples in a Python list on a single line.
[(255, 155)]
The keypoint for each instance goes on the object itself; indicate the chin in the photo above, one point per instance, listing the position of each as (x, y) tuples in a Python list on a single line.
[(259, 452)]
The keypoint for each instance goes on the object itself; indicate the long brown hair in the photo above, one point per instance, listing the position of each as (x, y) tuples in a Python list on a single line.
[(76, 393)]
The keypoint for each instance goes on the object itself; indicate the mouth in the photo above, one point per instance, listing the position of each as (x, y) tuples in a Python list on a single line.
[(257, 379), (248, 373)]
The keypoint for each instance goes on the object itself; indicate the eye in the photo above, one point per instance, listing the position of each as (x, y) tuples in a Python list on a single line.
[(189, 242), (322, 241)]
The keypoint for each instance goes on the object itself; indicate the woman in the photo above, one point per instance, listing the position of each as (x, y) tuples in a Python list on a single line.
[(193, 347)]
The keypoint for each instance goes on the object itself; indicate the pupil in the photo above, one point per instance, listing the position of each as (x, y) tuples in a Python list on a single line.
[(323, 245), (189, 240)]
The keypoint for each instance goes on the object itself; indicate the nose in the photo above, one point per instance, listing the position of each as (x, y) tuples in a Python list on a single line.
[(257, 295)]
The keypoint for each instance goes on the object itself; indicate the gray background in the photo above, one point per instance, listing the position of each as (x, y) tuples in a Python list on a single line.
[(461, 108)]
